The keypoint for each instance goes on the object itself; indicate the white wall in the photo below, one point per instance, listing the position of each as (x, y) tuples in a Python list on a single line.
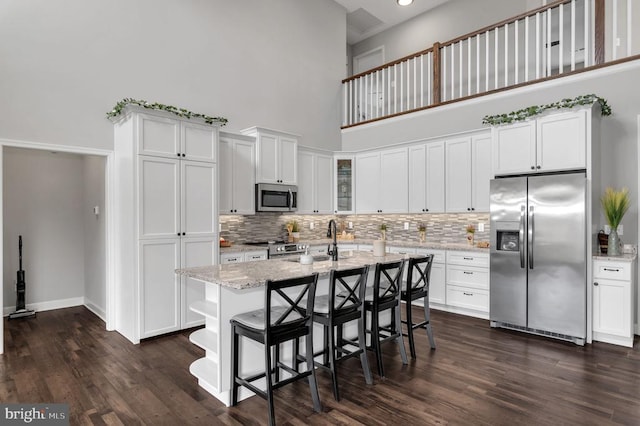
[(42, 198), (94, 234), (443, 23), (275, 63)]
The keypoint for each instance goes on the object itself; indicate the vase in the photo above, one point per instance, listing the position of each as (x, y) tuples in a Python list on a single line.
[(423, 235), (383, 235), (295, 236), (470, 238), (613, 246)]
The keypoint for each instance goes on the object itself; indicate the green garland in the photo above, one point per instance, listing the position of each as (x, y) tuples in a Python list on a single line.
[(180, 112), (525, 113)]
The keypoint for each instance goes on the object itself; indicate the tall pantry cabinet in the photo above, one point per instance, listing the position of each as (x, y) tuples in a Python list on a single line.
[(165, 218)]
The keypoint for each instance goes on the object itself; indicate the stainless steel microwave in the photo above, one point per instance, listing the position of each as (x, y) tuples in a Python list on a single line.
[(273, 197)]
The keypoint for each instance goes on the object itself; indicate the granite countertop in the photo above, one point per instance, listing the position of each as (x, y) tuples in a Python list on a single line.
[(630, 257), (236, 248), (246, 275)]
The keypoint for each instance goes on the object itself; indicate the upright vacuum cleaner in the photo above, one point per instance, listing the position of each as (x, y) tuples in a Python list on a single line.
[(21, 288)]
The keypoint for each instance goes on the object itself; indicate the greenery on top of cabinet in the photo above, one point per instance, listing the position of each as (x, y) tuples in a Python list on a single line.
[(180, 112), (527, 112)]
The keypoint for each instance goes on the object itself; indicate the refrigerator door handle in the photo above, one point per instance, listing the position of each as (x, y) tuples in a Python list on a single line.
[(530, 237), (521, 237)]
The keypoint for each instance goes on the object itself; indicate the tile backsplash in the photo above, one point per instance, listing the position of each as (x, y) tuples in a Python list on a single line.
[(441, 228)]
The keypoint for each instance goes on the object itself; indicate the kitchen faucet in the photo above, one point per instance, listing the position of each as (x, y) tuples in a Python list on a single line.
[(333, 253)]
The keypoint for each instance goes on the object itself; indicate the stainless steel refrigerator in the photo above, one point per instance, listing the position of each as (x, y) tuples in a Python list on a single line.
[(538, 255)]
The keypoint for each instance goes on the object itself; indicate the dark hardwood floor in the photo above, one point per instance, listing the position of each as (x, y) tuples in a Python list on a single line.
[(476, 376)]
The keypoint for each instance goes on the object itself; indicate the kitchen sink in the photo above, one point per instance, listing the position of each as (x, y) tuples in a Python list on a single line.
[(316, 258)]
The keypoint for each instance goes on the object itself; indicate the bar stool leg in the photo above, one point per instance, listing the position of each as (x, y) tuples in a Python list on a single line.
[(375, 340), (427, 318), (399, 339), (313, 384), (362, 342), (412, 345), (332, 362), (269, 379), (234, 369)]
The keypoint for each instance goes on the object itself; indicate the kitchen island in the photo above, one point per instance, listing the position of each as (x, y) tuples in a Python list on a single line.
[(235, 288)]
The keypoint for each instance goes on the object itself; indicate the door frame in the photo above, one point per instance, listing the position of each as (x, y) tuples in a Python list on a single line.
[(108, 155)]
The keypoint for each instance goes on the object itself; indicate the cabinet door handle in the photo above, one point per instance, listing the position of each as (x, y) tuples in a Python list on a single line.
[(595, 284), (612, 269), (468, 258), (468, 273), (467, 294)]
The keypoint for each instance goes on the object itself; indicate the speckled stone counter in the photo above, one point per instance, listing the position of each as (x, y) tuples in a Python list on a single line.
[(241, 248), (254, 274), (620, 258), (402, 243)]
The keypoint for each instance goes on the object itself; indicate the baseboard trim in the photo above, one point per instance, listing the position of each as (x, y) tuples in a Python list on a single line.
[(99, 312), (49, 305)]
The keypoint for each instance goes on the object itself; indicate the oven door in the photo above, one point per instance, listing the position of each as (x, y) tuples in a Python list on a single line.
[(276, 198)]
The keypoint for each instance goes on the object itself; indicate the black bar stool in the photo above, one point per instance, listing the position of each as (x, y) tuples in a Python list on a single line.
[(417, 286), (343, 304), (286, 316), (385, 296)]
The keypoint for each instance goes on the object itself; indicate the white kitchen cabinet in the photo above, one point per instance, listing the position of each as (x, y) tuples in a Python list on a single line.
[(468, 173), (166, 207), (344, 184), (551, 143), (382, 181), (239, 257), (427, 178), (315, 182), (613, 301), (237, 174), (159, 286), (276, 155), (467, 278), (162, 136)]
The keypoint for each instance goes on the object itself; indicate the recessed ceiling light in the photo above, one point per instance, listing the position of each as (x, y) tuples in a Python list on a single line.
[(405, 2)]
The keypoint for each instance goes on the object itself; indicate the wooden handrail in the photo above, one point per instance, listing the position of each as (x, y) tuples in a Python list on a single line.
[(387, 65)]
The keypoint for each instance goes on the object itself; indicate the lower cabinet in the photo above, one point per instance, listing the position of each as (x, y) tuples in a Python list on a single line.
[(613, 301), (246, 256), (468, 282), (164, 296)]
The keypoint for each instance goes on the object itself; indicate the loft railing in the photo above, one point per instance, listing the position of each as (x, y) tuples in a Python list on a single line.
[(559, 38)]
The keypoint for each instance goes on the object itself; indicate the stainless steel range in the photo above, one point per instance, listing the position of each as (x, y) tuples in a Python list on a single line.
[(280, 249)]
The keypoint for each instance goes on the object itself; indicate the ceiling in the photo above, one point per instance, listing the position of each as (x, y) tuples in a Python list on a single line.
[(366, 18)]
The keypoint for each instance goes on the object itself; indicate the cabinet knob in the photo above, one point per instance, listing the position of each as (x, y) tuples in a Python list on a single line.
[(184, 233), (595, 284), (184, 155), (538, 167), (178, 234), (533, 168), (473, 208), (468, 209), (426, 210), (178, 154)]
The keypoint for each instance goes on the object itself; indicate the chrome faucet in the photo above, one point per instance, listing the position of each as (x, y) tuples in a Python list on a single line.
[(333, 252)]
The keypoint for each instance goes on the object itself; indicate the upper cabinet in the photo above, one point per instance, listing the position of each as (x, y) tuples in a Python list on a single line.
[(551, 143), (237, 174), (468, 173), (382, 181), (344, 184), (166, 137), (315, 182), (276, 155), (426, 178)]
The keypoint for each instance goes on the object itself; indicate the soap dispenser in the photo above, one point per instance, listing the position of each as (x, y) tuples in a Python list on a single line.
[(306, 258)]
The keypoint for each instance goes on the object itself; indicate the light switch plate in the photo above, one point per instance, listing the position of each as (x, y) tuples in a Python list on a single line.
[(312, 225), (406, 226), (480, 227)]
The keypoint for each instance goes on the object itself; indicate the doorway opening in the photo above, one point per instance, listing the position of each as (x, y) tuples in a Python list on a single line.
[(57, 199)]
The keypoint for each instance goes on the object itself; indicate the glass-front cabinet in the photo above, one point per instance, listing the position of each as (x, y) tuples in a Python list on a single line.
[(344, 184)]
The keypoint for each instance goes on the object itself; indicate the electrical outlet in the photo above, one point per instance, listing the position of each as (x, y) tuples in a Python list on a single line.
[(312, 225), (480, 227), (406, 226)]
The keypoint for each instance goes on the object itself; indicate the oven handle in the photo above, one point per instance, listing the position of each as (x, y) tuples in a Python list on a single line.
[(290, 200)]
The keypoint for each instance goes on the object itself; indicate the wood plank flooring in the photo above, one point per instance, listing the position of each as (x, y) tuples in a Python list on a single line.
[(476, 376)]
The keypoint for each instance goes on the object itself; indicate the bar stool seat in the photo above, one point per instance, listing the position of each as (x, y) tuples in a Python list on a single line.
[(416, 287), (385, 296), (286, 316), (342, 305)]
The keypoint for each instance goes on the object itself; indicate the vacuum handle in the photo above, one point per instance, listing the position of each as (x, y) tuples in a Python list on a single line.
[(20, 250)]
